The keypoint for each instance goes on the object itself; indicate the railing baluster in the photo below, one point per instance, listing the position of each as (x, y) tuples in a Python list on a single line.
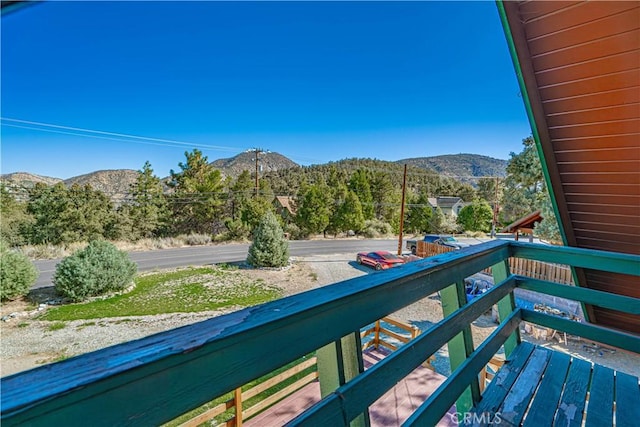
[(506, 305)]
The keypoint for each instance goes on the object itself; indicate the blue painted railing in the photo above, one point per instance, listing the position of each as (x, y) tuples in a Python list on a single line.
[(157, 378)]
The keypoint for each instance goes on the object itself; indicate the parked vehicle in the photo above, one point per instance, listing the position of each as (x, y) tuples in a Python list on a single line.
[(437, 239), (380, 260)]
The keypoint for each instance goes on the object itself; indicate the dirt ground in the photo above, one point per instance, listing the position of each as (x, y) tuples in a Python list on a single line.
[(28, 342)]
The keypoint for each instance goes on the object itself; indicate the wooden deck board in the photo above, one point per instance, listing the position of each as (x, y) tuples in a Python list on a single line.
[(391, 409), (565, 390), (574, 396), (517, 400), (600, 408), (627, 400), (504, 379), (545, 402)]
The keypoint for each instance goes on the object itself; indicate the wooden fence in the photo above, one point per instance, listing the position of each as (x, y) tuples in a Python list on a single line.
[(239, 396), (378, 330), (236, 402), (524, 267)]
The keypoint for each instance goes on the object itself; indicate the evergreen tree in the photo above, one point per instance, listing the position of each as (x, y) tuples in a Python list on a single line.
[(438, 221), (312, 215), (253, 212), (476, 217), (241, 192), (47, 205), (419, 214), (349, 214), (359, 184), (525, 191), (197, 202), (88, 215), (149, 208), (524, 184), (14, 219), (269, 247), (386, 198)]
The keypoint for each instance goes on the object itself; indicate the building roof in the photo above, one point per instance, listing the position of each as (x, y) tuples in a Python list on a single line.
[(578, 65), (287, 203), (525, 223), (448, 202)]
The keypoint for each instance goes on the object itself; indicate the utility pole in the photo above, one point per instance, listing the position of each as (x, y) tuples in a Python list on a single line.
[(404, 190), (257, 152)]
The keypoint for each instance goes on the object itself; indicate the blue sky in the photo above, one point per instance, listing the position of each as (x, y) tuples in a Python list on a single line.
[(314, 81)]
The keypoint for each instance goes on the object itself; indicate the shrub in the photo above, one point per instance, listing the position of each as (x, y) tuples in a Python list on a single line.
[(375, 228), (269, 247), (98, 269), (294, 232), (17, 274), (197, 239), (237, 230)]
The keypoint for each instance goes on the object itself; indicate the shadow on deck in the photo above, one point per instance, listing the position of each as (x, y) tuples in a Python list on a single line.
[(392, 409)]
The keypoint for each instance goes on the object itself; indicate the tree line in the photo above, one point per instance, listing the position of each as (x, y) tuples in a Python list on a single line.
[(355, 195)]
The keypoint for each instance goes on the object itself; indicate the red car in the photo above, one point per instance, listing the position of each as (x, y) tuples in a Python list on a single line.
[(380, 260)]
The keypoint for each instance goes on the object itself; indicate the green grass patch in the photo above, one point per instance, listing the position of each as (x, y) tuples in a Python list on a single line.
[(56, 326), (183, 291)]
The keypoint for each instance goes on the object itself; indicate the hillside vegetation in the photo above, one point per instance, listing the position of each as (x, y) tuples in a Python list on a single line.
[(359, 195)]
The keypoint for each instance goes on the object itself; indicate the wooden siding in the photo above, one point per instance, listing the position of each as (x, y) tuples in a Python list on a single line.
[(580, 66)]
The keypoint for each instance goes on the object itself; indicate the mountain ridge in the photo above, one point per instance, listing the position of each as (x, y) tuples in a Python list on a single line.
[(116, 182)]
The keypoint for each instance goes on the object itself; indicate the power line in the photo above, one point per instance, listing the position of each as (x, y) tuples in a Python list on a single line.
[(91, 134)]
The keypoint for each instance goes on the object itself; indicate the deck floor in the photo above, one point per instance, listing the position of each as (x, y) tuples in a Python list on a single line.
[(540, 387), (390, 410)]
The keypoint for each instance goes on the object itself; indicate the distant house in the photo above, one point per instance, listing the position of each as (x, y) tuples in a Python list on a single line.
[(285, 207), (450, 206)]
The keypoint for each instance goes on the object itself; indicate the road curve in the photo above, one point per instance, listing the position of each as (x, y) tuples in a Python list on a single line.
[(232, 252)]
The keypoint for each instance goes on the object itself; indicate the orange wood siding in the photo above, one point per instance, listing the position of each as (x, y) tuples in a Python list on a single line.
[(581, 65)]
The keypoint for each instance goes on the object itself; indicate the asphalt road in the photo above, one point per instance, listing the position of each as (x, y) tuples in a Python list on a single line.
[(233, 252)]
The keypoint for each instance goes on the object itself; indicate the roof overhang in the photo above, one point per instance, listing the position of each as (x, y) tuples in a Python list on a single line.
[(578, 66)]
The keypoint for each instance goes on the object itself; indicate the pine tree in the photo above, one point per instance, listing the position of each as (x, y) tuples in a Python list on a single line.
[(149, 209), (312, 214), (359, 184), (269, 247), (197, 202), (349, 215), (419, 213)]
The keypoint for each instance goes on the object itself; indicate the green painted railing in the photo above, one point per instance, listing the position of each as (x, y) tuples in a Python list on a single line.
[(156, 379)]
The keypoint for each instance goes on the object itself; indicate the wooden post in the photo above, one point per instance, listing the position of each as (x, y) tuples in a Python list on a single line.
[(506, 305), (237, 402), (338, 363), (404, 190), (461, 346), (376, 336)]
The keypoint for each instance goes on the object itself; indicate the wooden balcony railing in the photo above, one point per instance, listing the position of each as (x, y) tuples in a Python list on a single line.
[(549, 271), (157, 378)]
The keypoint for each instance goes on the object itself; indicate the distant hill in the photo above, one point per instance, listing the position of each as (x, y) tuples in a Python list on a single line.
[(461, 165), (284, 173), (114, 183), (19, 183), (268, 162), (28, 179)]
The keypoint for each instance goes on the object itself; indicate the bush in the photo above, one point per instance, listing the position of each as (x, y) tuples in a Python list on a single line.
[(17, 274), (375, 228), (269, 247), (98, 269), (197, 239), (294, 232)]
